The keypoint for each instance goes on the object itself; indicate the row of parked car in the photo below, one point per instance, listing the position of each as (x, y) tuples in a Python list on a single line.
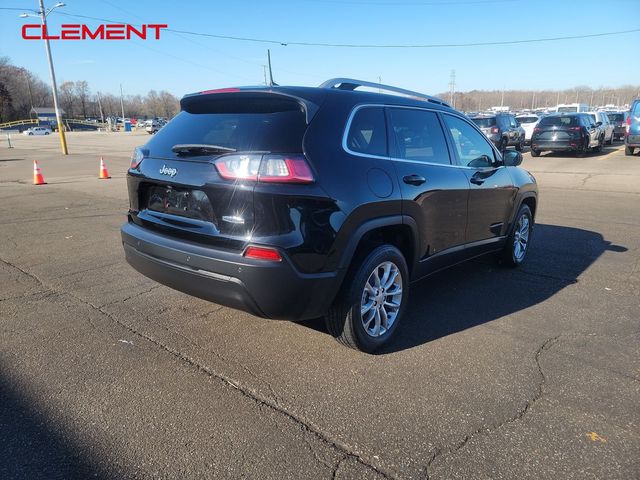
[(577, 132)]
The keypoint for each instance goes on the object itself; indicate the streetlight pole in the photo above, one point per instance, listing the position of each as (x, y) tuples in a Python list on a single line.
[(42, 13)]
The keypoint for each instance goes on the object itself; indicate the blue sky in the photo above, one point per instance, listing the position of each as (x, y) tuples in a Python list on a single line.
[(182, 63)]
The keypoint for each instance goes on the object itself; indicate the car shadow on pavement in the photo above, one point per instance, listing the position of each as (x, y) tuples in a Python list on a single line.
[(32, 446), (481, 290)]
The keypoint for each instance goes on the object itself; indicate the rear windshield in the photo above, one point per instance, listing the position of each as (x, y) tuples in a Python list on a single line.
[(564, 121), (527, 119), (616, 117), (567, 109), (485, 122), (279, 132)]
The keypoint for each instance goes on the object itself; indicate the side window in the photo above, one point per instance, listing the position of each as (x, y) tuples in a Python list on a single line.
[(418, 136), (368, 132), (514, 122), (474, 150)]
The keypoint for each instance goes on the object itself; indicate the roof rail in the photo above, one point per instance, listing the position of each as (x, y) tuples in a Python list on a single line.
[(352, 84)]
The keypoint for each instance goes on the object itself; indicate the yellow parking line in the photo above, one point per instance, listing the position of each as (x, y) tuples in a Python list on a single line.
[(616, 150)]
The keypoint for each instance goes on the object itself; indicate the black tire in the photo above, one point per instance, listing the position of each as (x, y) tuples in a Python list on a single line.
[(520, 146), (628, 150), (344, 320), (598, 149), (610, 142), (583, 150), (535, 153), (46, 133), (511, 256)]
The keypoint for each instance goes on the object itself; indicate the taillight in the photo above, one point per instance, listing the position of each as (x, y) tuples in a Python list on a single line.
[(628, 126), (285, 169), (220, 90), (537, 130), (263, 253), (239, 167), (270, 168), (494, 130), (136, 157)]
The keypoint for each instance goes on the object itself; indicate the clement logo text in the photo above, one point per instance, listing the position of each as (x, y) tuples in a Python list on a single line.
[(78, 31)]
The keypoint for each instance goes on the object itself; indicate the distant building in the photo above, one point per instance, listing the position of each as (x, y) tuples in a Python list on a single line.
[(46, 114)]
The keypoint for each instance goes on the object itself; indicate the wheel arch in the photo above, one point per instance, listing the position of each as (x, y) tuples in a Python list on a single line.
[(401, 228)]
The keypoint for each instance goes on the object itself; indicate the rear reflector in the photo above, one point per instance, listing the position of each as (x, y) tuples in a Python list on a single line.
[(262, 253)]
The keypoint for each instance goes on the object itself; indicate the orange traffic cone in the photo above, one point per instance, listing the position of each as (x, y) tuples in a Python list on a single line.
[(38, 179), (104, 174)]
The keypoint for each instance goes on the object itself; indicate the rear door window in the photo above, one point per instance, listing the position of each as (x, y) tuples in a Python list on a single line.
[(368, 132), (417, 136)]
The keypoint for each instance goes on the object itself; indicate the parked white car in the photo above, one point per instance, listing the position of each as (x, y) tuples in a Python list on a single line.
[(606, 125), (528, 122), (37, 131)]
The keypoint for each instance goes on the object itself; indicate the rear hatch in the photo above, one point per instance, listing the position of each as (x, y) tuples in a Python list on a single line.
[(486, 124), (558, 128), (197, 175)]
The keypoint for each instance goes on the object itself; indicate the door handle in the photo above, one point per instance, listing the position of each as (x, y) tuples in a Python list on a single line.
[(476, 181), (414, 179)]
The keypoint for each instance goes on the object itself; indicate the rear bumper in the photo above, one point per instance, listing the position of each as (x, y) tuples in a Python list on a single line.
[(265, 289), (632, 140), (558, 146)]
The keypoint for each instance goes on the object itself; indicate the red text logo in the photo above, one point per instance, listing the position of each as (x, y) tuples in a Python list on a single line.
[(77, 31)]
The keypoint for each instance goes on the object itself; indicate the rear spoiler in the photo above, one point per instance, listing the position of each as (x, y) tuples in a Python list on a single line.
[(252, 100)]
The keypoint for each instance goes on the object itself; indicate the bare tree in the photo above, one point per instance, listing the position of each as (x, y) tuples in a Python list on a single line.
[(81, 91), (68, 97)]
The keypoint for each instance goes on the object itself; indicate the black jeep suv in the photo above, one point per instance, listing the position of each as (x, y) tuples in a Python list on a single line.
[(297, 202), (502, 129)]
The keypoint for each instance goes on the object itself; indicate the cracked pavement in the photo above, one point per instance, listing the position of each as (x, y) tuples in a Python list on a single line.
[(496, 373)]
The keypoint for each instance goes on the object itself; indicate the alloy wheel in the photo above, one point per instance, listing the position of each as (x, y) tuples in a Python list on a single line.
[(521, 238), (381, 299)]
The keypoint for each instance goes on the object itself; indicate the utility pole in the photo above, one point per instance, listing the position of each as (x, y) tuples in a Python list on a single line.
[(533, 101), (502, 98), (591, 101), (122, 107), (452, 89), (42, 14), (558, 100)]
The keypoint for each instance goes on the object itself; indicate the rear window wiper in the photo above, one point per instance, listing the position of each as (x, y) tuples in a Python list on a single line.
[(199, 148)]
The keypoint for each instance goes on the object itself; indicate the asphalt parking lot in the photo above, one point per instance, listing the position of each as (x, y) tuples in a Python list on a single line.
[(501, 374)]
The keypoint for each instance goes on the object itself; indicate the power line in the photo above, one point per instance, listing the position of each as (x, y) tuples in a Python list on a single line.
[(415, 4), (357, 45)]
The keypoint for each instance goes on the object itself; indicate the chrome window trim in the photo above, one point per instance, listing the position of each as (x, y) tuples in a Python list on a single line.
[(355, 109)]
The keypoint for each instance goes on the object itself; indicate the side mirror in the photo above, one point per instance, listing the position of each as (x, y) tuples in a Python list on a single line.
[(511, 158), (598, 124)]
